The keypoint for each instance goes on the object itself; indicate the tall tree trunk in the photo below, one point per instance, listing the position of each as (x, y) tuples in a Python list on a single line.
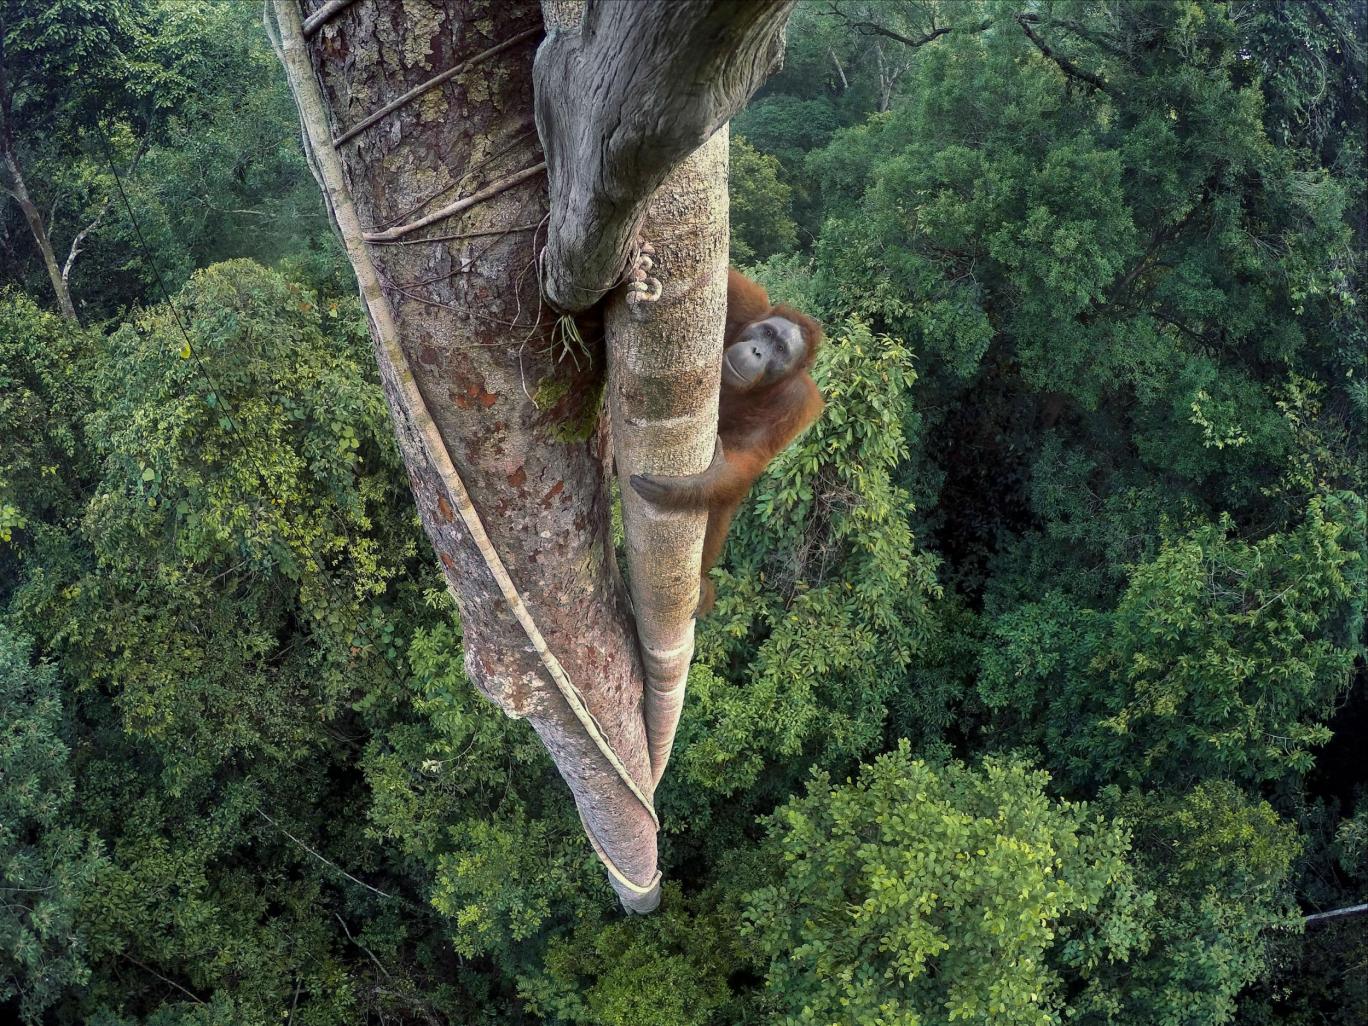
[(467, 361), (19, 191), (419, 124), (630, 99), (15, 186)]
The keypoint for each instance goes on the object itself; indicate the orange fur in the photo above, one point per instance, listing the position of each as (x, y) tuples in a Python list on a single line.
[(753, 427)]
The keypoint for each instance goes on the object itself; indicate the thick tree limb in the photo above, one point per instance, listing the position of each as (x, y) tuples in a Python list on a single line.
[(865, 27), (620, 101), (1065, 65), (1337, 913)]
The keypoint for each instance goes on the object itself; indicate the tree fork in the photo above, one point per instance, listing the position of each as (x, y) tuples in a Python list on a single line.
[(621, 99)]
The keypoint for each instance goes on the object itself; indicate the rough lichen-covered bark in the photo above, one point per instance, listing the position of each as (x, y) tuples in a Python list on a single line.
[(420, 121), (622, 98), (476, 340)]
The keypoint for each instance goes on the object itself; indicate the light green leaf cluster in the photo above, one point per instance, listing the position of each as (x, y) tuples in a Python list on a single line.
[(919, 895), (761, 221), (42, 455), (1222, 657)]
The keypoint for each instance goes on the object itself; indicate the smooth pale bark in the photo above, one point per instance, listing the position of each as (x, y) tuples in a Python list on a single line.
[(17, 189), (621, 99), (12, 182), (664, 375), (1338, 913), (522, 430)]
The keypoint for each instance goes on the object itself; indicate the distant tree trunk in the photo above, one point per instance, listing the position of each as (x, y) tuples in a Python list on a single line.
[(15, 187), (840, 70), (13, 184), (888, 77), (420, 124)]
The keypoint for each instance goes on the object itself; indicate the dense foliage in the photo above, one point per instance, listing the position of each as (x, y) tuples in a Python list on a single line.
[(1036, 685)]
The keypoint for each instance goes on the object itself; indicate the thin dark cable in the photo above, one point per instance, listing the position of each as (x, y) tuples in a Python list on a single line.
[(189, 343), (402, 679), (147, 257)]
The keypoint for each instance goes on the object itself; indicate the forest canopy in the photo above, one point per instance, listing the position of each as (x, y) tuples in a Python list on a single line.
[(1035, 690)]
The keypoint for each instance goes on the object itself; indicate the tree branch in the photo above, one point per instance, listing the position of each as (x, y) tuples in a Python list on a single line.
[(621, 99), (75, 249), (326, 862), (165, 979), (325, 14), (1065, 65), (1161, 235), (1069, 25), (1338, 913), (451, 209), (869, 28), (866, 27)]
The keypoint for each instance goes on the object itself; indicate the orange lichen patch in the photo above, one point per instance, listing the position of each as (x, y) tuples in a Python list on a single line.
[(518, 478), (448, 562), (556, 489), (444, 509), (594, 659), (479, 395), (474, 393)]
